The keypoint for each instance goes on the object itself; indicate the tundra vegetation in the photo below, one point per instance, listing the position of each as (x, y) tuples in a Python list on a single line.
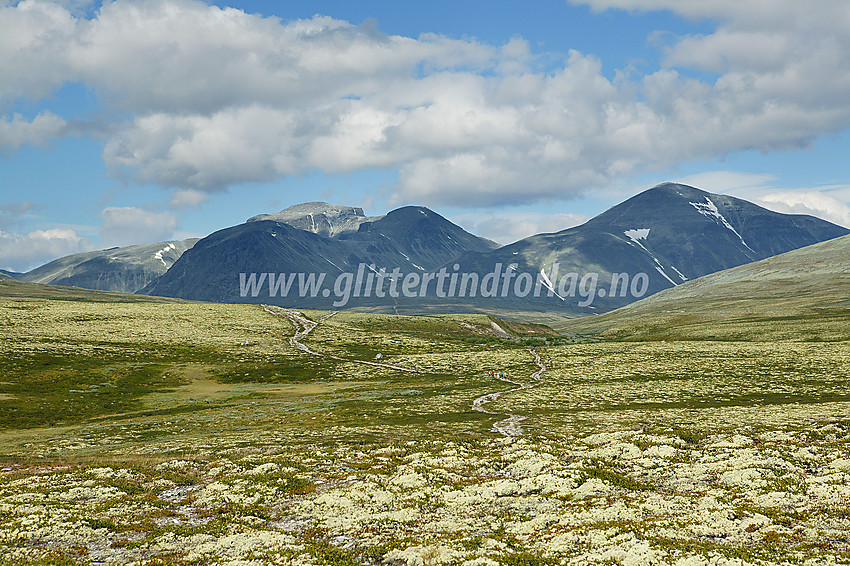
[(165, 432)]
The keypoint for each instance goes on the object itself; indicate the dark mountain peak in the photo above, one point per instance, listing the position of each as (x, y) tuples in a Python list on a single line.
[(420, 233), (654, 204), (411, 209), (673, 206), (319, 217), (418, 227), (672, 232), (676, 189), (412, 215)]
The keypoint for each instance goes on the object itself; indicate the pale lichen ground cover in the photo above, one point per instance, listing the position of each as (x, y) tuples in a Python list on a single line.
[(645, 453)]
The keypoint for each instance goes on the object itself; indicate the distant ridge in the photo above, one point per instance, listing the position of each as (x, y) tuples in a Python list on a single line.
[(123, 269), (663, 237)]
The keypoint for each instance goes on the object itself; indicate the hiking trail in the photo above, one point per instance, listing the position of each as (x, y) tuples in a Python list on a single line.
[(304, 326), (511, 426)]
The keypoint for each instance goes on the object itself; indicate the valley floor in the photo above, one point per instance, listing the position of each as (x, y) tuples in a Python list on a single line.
[(201, 434)]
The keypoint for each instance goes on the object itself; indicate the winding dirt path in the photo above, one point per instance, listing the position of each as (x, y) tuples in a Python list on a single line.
[(510, 426), (304, 326)]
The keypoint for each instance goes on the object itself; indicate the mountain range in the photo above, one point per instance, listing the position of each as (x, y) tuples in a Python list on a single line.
[(123, 269), (412, 239), (660, 238)]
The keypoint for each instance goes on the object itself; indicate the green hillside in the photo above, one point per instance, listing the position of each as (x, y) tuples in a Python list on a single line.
[(802, 295)]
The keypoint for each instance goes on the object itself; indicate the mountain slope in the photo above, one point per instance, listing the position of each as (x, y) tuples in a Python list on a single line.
[(672, 233), (412, 239), (701, 232), (210, 270), (125, 269), (420, 235), (802, 295)]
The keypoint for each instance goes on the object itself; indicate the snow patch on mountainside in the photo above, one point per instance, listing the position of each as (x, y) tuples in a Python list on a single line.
[(679, 273), (709, 210), (639, 234), (158, 255), (548, 284)]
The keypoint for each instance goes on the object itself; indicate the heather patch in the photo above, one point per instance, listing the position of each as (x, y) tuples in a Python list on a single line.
[(154, 435)]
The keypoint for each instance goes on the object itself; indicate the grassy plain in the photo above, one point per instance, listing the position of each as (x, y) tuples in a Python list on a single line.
[(145, 432)]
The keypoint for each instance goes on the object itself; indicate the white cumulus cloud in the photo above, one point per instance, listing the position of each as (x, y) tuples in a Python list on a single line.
[(130, 225), (211, 97), (16, 130), (815, 203), (505, 228), (22, 252), (187, 198)]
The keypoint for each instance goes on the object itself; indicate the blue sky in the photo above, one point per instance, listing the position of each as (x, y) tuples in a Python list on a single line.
[(136, 122)]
